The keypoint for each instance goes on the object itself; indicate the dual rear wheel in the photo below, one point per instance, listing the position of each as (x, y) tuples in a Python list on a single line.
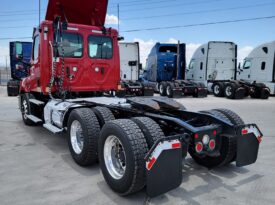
[(120, 145)]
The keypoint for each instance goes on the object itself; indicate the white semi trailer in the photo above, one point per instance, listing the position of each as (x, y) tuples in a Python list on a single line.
[(130, 70), (215, 64)]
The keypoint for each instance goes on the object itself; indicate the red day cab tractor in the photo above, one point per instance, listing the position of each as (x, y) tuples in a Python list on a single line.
[(139, 141)]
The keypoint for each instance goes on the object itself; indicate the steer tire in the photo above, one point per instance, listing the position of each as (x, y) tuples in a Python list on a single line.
[(26, 108), (134, 147), (103, 115), (150, 129), (227, 148), (90, 131)]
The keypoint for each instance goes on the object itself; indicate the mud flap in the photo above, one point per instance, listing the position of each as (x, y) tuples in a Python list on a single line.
[(239, 93), (248, 141), (202, 92), (164, 167)]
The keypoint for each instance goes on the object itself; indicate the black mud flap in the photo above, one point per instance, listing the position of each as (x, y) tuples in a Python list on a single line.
[(249, 138), (148, 91), (177, 93), (202, 92), (164, 167), (240, 93)]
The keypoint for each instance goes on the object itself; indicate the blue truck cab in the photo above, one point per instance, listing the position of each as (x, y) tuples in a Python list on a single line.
[(165, 67), (20, 55)]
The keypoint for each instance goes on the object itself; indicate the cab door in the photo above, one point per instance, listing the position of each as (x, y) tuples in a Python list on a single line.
[(100, 51), (245, 72)]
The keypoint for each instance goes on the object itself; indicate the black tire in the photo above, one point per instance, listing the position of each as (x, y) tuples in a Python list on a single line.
[(234, 118), (265, 93), (162, 89), (169, 90), (150, 129), (230, 89), (135, 149), (26, 109), (227, 148), (218, 89), (13, 88), (103, 115), (90, 130)]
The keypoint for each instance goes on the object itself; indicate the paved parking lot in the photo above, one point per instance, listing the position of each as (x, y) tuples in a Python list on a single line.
[(36, 167)]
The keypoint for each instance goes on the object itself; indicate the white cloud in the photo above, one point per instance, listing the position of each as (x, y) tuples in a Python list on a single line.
[(190, 49), (111, 19), (144, 49), (4, 53), (243, 52)]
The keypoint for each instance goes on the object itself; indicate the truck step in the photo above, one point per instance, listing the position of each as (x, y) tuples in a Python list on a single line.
[(36, 102), (52, 128), (34, 119)]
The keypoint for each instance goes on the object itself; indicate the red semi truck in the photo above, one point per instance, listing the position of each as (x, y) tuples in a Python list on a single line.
[(139, 141)]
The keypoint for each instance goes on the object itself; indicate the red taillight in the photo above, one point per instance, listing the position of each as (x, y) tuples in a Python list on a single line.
[(199, 147), (212, 144), (259, 138), (244, 132), (176, 145), (196, 136), (215, 132)]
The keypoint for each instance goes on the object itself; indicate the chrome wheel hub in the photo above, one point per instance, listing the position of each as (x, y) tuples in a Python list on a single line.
[(228, 91), (216, 89), (25, 109), (77, 137), (114, 157)]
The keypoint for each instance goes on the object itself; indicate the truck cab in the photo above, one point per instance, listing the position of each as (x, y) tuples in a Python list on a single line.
[(213, 61), (81, 56), (20, 54), (259, 66)]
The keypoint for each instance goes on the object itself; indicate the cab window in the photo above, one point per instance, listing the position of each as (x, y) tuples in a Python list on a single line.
[(247, 64), (168, 49), (35, 52), (100, 47), (192, 64), (72, 44)]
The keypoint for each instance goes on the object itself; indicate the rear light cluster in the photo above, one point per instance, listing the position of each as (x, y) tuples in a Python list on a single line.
[(206, 142)]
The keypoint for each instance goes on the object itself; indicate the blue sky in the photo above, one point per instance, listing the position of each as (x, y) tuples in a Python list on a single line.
[(24, 15)]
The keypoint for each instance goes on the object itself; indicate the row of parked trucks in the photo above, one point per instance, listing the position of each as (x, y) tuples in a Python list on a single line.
[(213, 68), (138, 141)]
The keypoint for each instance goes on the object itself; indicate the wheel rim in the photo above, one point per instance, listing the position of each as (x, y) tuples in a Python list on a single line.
[(168, 90), (216, 89), (228, 91), (25, 109), (161, 89), (114, 157), (77, 137)]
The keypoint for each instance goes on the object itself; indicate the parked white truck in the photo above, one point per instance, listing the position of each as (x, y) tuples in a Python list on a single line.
[(130, 70), (215, 64)]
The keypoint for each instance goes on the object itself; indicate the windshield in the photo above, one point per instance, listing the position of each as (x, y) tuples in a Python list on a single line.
[(168, 49), (192, 64), (247, 64), (100, 47)]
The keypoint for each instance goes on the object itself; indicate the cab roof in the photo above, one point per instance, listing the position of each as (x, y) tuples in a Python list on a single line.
[(87, 12)]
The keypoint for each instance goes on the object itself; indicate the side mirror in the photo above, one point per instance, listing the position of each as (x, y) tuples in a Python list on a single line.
[(140, 66), (120, 38), (19, 57)]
